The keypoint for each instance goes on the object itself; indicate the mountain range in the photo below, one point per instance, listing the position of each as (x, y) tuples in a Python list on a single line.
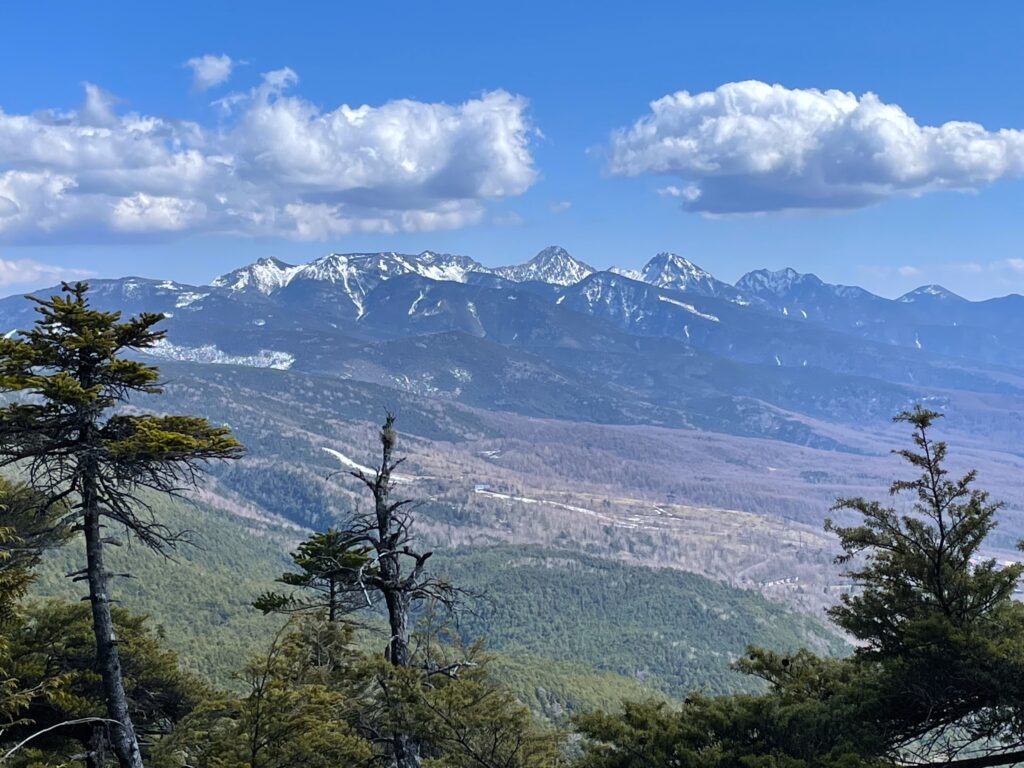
[(780, 355), (660, 417)]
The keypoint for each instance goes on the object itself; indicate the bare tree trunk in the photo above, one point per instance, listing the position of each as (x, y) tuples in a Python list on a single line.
[(332, 601), (122, 736), (404, 747), (97, 755)]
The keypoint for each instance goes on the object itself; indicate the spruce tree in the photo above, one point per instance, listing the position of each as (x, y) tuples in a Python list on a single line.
[(68, 435), (935, 618), (923, 563), (327, 568), (28, 526)]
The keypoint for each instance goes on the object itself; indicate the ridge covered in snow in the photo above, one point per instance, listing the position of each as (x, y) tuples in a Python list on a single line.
[(210, 353), (776, 283), (264, 276), (672, 271), (357, 272), (631, 274), (930, 292), (789, 285), (553, 265)]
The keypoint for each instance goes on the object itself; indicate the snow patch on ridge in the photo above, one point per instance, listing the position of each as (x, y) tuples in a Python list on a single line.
[(209, 353), (689, 308)]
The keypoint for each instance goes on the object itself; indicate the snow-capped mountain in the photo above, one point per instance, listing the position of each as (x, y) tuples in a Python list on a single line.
[(639, 307), (264, 276), (929, 293), (553, 265), (669, 270), (632, 274), (344, 279), (269, 274), (677, 346), (787, 286), (770, 285), (556, 297)]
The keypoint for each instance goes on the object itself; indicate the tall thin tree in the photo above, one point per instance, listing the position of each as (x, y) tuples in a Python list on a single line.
[(392, 570), (75, 446)]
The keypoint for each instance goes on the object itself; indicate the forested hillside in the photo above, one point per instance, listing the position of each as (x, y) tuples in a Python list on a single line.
[(674, 631), (594, 627)]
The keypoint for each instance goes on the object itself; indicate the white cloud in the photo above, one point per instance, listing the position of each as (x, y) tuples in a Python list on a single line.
[(148, 213), (750, 147), (98, 108), (561, 206), (27, 271), (210, 70), (276, 165), (689, 193)]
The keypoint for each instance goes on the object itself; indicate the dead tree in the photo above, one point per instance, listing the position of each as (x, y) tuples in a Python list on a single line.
[(394, 573)]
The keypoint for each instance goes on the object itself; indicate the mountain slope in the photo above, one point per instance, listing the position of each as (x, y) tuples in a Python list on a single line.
[(552, 265), (930, 317), (669, 270), (674, 631)]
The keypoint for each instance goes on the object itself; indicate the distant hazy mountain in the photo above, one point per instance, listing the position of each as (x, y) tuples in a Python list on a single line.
[(552, 265), (930, 293), (264, 276), (669, 344), (669, 270)]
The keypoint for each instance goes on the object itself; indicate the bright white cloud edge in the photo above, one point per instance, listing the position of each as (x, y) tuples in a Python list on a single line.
[(750, 147), (210, 70), (276, 165)]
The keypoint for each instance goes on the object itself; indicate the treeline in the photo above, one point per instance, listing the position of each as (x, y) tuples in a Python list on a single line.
[(937, 676)]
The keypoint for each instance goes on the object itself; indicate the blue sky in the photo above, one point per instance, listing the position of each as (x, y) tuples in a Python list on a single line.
[(497, 131)]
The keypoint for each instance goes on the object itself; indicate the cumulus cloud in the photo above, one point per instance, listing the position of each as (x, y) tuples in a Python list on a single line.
[(210, 70), (750, 147), (276, 165), (27, 271)]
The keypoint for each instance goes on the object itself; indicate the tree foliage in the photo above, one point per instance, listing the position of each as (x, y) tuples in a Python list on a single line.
[(71, 371), (327, 568), (29, 526), (299, 707), (939, 674), (53, 653)]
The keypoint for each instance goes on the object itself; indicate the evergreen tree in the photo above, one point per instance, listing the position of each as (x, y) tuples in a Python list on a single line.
[(29, 527), (77, 448), (328, 568), (938, 677), (300, 702), (54, 656), (463, 719), (934, 616)]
